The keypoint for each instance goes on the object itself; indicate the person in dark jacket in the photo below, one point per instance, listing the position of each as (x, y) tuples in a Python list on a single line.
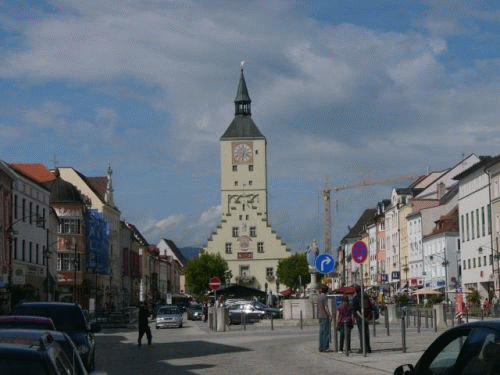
[(144, 324), (362, 320)]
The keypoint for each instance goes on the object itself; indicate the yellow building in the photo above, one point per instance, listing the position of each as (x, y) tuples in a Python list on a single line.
[(244, 238)]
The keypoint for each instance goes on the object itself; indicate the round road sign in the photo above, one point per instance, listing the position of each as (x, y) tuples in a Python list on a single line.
[(359, 252), (214, 283)]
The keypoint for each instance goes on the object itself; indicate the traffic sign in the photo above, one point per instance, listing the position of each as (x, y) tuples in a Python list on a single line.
[(325, 263), (359, 252), (214, 283)]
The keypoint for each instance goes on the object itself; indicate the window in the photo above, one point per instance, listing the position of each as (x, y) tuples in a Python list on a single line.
[(31, 252), (467, 223), (260, 247), (463, 228), (24, 251), (69, 226), (37, 255), (24, 209), (236, 232), (241, 217), (269, 272), (484, 259), (15, 248), (66, 262), (253, 232), (31, 213), (43, 218), (473, 262), (446, 358), (468, 264), (472, 224), (235, 183), (250, 183), (488, 216), (235, 168), (15, 206), (477, 222), (479, 261), (250, 168), (482, 220), (229, 248), (43, 255), (465, 267)]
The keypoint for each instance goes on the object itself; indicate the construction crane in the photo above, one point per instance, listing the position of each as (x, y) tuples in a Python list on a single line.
[(327, 206)]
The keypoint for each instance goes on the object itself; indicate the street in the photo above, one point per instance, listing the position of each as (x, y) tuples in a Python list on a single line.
[(257, 350)]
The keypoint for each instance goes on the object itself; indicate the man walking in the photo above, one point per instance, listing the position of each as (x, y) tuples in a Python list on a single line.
[(362, 320), (144, 324), (324, 317)]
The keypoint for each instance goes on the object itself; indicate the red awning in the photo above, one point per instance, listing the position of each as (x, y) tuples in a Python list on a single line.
[(287, 292), (345, 290)]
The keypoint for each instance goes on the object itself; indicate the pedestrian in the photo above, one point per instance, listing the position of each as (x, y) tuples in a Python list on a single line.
[(144, 324), (362, 320), (324, 317), (345, 321), (205, 311)]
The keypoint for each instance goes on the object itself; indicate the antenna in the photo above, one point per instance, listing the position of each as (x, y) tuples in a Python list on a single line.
[(241, 64)]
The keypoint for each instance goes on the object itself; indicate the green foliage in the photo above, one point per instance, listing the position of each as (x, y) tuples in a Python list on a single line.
[(200, 269), (402, 299), (434, 299), (474, 298), (290, 268)]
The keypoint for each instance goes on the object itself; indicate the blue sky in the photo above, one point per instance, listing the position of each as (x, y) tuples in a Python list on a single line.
[(343, 91)]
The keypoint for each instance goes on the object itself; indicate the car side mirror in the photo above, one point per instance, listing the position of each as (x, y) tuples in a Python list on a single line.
[(404, 370), (95, 327)]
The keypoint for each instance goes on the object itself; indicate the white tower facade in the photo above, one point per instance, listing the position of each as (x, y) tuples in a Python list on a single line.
[(244, 238)]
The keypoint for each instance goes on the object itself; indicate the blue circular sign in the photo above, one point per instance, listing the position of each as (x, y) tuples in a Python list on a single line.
[(325, 263), (359, 252)]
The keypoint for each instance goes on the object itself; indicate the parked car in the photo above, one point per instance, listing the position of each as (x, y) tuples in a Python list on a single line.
[(69, 318), (39, 355), (244, 312), (195, 311), (14, 336), (271, 312), (26, 322), (169, 316), (472, 348)]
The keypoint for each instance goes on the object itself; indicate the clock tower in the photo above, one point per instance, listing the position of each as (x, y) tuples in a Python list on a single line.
[(244, 238)]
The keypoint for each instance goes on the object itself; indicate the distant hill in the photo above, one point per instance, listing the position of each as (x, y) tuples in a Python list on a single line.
[(189, 252)]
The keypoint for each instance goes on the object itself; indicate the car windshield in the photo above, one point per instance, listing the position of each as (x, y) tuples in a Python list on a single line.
[(65, 318), (195, 306), (169, 311)]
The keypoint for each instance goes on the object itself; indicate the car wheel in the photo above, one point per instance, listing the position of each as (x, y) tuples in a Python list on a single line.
[(157, 327), (180, 325)]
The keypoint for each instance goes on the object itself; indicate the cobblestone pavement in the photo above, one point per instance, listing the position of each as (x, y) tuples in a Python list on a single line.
[(287, 349)]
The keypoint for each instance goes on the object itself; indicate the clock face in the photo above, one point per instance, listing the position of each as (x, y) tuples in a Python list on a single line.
[(242, 152)]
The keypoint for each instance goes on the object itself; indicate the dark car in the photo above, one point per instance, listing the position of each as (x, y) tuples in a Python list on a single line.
[(15, 335), (34, 356), (467, 349), (244, 312), (271, 312), (69, 318), (195, 311), (26, 322)]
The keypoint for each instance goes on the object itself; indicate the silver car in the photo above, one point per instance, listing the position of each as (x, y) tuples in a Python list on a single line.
[(169, 316)]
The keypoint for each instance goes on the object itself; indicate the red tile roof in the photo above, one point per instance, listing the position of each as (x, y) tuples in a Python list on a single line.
[(37, 172), (99, 184)]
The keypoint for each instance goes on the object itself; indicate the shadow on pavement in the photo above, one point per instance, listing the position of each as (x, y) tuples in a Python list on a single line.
[(117, 357)]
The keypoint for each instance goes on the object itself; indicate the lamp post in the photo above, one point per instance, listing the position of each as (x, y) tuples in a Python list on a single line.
[(445, 265), (496, 257)]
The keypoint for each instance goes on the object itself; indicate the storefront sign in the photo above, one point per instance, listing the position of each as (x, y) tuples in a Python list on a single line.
[(395, 275)]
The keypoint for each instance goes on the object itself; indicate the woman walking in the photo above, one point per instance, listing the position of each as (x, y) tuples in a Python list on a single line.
[(345, 321)]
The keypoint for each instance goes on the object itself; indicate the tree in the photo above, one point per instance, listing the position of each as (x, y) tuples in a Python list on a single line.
[(289, 270), (200, 269)]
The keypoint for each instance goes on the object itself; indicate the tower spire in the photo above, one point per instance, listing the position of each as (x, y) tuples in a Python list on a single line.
[(242, 100)]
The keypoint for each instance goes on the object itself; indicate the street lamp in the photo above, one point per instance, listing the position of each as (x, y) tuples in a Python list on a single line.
[(495, 256), (445, 265)]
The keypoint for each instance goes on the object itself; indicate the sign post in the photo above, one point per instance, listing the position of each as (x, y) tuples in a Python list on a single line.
[(214, 284), (359, 254)]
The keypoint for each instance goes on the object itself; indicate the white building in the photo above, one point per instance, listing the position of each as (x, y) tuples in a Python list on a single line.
[(475, 228), (245, 238)]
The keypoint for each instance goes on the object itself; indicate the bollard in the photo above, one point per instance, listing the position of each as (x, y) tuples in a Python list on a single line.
[(386, 320), (452, 321), (426, 318), (374, 329), (418, 321), (301, 322), (272, 323), (244, 321), (415, 317), (335, 333), (482, 315), (467, 316), (345, 340), (434, 318), (403, 333)]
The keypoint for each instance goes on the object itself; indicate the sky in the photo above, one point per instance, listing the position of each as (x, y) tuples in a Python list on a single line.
[(343, 90)]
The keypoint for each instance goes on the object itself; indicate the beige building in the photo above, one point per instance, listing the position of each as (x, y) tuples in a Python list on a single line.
[(245, 238)]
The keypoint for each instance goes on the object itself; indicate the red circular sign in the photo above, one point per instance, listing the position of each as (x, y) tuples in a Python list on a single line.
[(214, 283), (359, 252)]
